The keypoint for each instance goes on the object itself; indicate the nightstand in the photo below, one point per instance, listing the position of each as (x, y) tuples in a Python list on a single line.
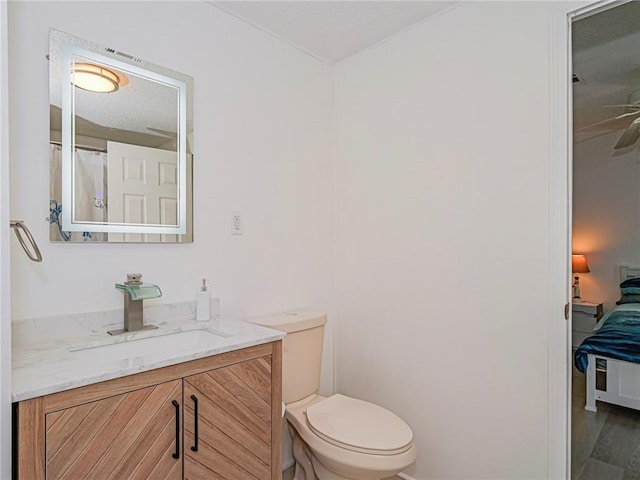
[(585, 316)]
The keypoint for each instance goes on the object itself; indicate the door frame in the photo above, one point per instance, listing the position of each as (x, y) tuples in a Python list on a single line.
[(560, 229)]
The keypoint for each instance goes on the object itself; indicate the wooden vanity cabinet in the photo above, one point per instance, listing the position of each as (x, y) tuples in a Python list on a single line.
[(213, 418), (125, 436), (228, 422)]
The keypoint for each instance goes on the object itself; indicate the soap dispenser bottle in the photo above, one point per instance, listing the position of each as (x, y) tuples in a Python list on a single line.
[(203, 303)]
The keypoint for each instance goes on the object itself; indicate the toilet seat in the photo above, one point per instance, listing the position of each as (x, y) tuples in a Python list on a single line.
[(344, 461), (359, 426)]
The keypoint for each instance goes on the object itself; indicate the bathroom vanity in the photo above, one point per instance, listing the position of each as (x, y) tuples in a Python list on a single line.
[(188, 401)]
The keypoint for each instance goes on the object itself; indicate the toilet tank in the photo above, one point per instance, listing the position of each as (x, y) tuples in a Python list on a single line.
[(301, 350)]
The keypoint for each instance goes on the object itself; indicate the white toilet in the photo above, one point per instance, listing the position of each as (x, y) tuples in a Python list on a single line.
[(334, 438)]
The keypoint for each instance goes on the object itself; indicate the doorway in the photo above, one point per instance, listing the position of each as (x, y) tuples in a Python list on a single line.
[(605, 218)]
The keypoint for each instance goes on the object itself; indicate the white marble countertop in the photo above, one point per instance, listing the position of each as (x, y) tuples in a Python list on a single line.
[(45, 351)]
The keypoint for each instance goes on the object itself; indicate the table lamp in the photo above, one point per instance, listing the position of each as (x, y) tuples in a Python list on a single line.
[(578, 265)]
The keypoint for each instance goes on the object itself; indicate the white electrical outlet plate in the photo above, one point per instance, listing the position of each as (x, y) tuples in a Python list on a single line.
[(235, 223)]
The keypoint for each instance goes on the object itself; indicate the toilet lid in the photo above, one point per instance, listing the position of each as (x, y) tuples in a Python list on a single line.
[(359, 425)]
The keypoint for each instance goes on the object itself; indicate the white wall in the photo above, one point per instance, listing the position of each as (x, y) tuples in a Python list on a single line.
[(5, 311), (263, 145), (442, 227), (606, 214)]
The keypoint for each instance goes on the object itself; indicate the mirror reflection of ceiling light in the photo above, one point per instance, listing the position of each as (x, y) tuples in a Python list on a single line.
[(95, 78)]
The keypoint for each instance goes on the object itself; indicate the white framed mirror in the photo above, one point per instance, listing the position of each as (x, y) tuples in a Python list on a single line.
[(121, 162)]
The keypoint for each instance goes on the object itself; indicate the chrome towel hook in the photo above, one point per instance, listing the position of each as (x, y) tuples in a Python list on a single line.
[(18, 225)]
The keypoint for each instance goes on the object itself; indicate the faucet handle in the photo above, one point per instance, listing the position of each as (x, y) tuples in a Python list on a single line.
[(134, 279)]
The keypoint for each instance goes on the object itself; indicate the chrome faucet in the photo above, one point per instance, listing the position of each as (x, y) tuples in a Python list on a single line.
[(134, 293)]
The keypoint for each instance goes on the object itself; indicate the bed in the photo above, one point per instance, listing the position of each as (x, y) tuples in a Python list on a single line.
[(612, 355)]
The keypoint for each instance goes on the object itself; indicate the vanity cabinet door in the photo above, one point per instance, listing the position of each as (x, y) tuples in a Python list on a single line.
[(227, 423), (129, 436)]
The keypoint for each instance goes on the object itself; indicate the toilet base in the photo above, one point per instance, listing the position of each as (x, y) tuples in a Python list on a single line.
[(317, 459), (304, 468), (323, 473), (308, 467)]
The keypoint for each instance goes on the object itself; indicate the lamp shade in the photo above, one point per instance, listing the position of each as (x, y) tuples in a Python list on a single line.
[(579, 264)]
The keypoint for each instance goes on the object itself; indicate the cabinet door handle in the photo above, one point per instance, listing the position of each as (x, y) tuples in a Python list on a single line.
[(194, 447), (177, 453)]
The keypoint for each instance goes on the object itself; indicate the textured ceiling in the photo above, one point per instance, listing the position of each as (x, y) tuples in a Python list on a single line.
[(332, 30), (606, 58)]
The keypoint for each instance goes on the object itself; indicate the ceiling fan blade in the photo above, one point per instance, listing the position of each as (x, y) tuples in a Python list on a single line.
[(630, 114), (626, 105), (630, 136), (164, 133)]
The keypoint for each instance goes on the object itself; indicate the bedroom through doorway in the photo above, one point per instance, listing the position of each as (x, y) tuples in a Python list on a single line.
[(605, 326)]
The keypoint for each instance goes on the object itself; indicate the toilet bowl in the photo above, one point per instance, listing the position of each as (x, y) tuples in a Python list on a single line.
[(351, 439), (336, 437)]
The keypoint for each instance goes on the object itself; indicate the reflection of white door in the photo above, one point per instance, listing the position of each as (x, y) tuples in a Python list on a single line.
[(142, 188)]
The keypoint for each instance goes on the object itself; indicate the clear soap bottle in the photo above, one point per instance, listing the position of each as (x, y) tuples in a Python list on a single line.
[(203, 303)]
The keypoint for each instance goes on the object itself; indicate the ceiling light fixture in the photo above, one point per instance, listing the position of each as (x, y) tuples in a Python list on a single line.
[(94, 78)]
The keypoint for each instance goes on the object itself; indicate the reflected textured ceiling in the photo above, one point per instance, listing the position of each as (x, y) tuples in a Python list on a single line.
[(333, 30)]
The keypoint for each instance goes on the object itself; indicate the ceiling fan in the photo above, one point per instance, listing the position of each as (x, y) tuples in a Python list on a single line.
[(632, 133)]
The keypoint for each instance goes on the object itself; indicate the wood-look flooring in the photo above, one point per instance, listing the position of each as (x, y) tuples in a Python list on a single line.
[(604, 445)]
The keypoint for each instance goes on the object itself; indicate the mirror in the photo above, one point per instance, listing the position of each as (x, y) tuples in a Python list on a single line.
[(120, 146)]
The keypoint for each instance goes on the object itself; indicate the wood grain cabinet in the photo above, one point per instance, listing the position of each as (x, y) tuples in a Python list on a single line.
[(213, 418), (128, 436), (228, 423)]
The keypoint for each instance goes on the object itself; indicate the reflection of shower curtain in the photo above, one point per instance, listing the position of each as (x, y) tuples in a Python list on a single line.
[(55, 167), (55, 195), (90, 189), (90, 186)]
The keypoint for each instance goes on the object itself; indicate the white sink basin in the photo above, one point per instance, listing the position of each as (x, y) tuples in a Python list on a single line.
[(181, 342)]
